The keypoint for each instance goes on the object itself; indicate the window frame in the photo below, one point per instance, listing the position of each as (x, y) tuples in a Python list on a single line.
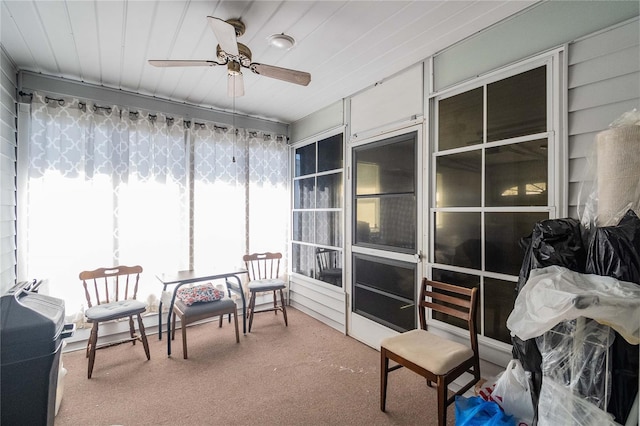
[(340, 210), (556, 171)]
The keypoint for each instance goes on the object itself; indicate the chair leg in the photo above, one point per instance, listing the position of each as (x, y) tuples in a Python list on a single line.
[(143, 337), (275, 303), (221, 318), (235, 320), (93, 340), (184, 338), (132, 330), (284, 308), (442, 401), (173, 327), (384, 373), (252, 305)]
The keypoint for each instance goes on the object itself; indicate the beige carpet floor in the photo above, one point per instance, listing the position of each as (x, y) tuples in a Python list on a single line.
[(304, 374)]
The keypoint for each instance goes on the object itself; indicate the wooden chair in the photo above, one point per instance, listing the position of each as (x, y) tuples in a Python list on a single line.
[(113, 291), (191, 313), (264, 269), (437, 359), (327, 266)]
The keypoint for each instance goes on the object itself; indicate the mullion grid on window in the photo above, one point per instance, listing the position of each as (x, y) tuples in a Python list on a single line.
[(483, 209), (315, 209)]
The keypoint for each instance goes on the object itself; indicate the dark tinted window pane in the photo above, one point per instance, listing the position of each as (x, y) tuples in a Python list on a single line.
[(516, 174), (457, 239), (517, 106), (329, 264), (306, 160), (328, 229), (303, 229), (459, 180), (393, 313), (386, 168), (464, 280), (304, 193), (330, 153), (388, 221), (384, 292), (329, 191), (503, 233), (302, 259), (460, 120), (499, 297), (390, 277)]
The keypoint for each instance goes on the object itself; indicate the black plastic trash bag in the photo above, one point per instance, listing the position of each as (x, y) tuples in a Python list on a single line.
[(552, 242), (614, 251)]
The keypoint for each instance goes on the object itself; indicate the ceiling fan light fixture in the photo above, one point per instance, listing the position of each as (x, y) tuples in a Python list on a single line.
[(235, 85), (281, 41)]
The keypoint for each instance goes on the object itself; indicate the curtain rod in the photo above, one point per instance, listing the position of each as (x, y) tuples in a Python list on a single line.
[(61, 86)]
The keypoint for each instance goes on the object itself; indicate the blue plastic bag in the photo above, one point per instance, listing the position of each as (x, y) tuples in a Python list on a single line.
[(475, 411)]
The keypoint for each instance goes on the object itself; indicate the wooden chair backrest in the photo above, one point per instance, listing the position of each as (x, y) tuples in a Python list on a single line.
[(324, 258), (111, 284), (461, 302), (262, 265)]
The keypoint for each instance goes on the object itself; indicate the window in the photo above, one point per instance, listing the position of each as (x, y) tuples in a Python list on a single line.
[(317, 210), (385, 194), (111, 186), (491, 173)]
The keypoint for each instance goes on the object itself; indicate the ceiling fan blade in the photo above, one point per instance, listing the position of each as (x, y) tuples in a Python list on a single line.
[(225, 34), (285, 74), (180, 63)]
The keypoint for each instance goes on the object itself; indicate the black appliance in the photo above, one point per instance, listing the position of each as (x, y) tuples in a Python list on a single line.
[(31, 331)]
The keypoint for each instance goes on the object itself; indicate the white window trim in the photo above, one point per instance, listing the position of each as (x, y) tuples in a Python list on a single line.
[(292, 178), (493, 350)]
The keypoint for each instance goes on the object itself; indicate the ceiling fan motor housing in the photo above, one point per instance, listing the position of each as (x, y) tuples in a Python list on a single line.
[(243, 58)]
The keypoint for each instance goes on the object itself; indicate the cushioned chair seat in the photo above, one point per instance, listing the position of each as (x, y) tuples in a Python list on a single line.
[(267, 284), (428, 350), (114, 310), (211, 308), (199, 311)]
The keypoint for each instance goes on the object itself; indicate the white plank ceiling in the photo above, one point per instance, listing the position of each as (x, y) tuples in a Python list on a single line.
[(345, 45)]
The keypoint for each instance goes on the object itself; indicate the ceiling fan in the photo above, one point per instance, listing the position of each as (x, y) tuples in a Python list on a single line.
[(236, 56)]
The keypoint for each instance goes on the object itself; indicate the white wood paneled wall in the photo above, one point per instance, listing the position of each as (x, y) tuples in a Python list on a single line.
[(603, 83), (8, 86), (395, 100)]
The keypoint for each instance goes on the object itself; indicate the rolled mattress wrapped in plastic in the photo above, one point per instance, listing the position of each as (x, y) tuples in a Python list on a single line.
[(618, 172)]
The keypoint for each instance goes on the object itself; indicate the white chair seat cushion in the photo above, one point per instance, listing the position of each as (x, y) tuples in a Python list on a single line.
[(430, 351), (114, 310), (212, 308), (266, 285)]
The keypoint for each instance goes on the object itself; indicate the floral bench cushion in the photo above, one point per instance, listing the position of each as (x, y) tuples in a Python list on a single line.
[(199, 293)]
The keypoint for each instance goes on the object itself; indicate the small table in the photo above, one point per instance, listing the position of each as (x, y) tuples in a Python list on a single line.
[(181, 278)]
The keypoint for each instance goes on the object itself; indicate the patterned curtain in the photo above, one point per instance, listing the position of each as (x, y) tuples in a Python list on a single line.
[(269, 209), (219, 197), (105, 187), (109, 186)]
